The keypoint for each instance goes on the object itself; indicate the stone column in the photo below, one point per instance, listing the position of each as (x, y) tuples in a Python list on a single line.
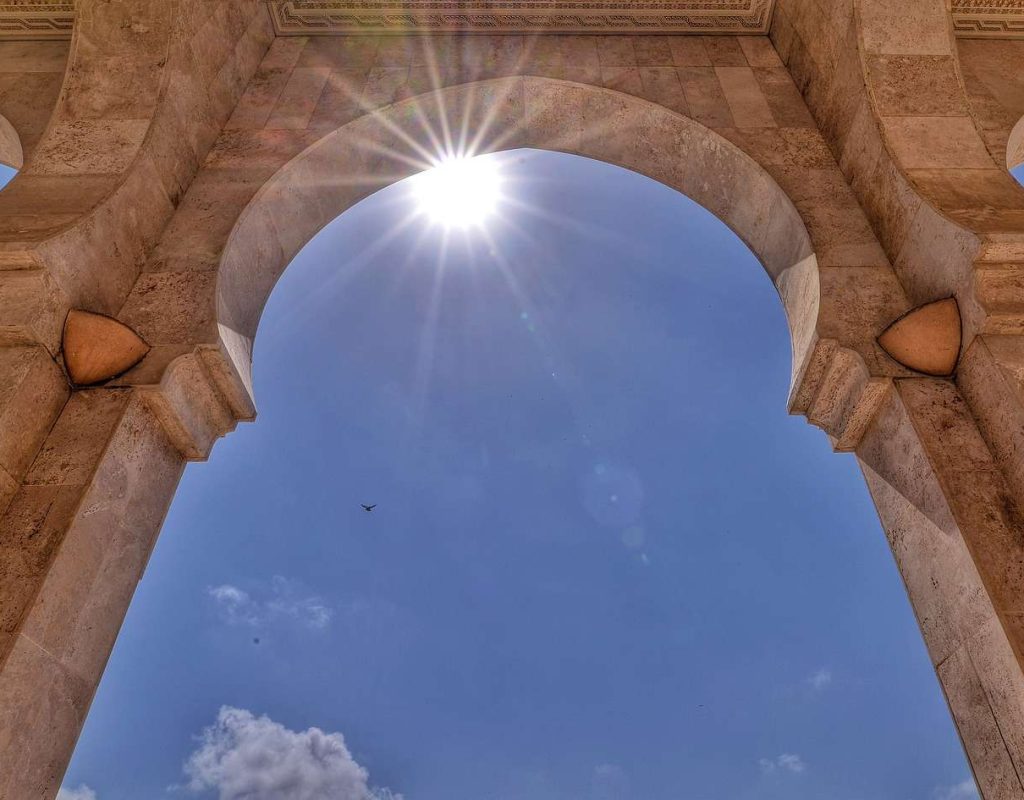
[(74, 542), (955, 532)]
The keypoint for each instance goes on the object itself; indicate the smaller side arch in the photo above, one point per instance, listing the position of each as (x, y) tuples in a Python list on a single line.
[(11, 153), (1015, 146)]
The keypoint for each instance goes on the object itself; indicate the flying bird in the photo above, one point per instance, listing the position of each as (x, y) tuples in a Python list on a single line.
[(368, 507)]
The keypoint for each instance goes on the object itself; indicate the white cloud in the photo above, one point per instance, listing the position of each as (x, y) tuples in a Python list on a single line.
[(965, 790), (245, 757), (820, 679), (789, 762), (609, 782), (283, 601), (83, 792)]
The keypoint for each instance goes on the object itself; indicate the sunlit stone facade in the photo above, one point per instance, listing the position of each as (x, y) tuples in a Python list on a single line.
[(178, 153)]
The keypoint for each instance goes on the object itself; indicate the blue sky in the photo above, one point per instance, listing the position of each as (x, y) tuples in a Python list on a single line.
[(604, 565)]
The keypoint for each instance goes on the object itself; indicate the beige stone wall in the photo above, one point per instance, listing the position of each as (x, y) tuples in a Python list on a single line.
[(184, 155), (31, 74), (913, 134), (75, 541), (148, 86), (307, 89), (993, 73)]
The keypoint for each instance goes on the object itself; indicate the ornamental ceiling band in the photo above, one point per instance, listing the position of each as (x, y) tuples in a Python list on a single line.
[(54, 19)]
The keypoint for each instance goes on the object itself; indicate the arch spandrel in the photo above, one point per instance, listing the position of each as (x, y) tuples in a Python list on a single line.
[(993, 72), (659, 104), (318, 185), (732, 132), (896, 95), (31, 74), (128, 121)]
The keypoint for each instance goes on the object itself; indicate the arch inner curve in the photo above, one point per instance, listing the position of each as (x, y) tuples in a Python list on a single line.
[(1015, 152), (541, 113)]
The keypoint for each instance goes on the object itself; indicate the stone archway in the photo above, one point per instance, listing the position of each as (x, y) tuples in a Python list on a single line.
[(11, 154), (907, 461), (1015, 146), (199, 198), (189, 391), (376, 150)]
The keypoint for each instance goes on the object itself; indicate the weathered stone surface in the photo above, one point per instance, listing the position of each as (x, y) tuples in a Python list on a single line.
[(860, 152), (73, 545), (32, 392)]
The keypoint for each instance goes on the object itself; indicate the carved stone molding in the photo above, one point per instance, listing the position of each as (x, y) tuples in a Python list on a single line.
[(54, 19), (36, 19), (988, 19), (326, 17)]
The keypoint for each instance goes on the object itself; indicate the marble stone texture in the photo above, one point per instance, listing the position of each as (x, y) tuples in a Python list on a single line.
[(176, 155)]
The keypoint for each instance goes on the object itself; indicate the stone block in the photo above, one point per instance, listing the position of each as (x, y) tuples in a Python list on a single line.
[(32, 393), (979, 730), (298, 100), (616, 51), (786, 105), (623, 79), (341, 100), (743, 94), (724, 51), (661, 85), (42, 707), (77, 441), (759, 52), (172, 307), (916, 86), (704, 97), (76, 614), (918, 28), (88, 147), (332, 52), (689, 51), (936, 142)]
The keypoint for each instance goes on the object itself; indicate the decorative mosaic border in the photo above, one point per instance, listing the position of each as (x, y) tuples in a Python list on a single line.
[(36, 19), (327, 17), (54, 19), (988, 19)]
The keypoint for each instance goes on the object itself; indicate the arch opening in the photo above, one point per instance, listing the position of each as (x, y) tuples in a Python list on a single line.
[(456, 564), (490, 116), (1015, 152), (12, 156)]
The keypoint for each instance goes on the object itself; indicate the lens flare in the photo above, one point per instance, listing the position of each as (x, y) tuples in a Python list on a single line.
[(458, 192)]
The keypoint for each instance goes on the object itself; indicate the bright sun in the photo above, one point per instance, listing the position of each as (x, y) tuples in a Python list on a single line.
[(458, 192)]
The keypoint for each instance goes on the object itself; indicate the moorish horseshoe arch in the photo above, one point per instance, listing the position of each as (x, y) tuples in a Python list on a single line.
[(846, 399), (395, 142), (184, 179)]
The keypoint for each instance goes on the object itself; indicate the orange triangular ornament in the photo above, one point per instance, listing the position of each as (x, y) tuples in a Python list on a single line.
[(98, 348), (926, 339)]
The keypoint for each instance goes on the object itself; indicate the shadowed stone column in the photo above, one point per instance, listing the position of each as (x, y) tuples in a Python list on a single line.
[(84, 486), (955, 532), (32, 392), (74, 542)]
